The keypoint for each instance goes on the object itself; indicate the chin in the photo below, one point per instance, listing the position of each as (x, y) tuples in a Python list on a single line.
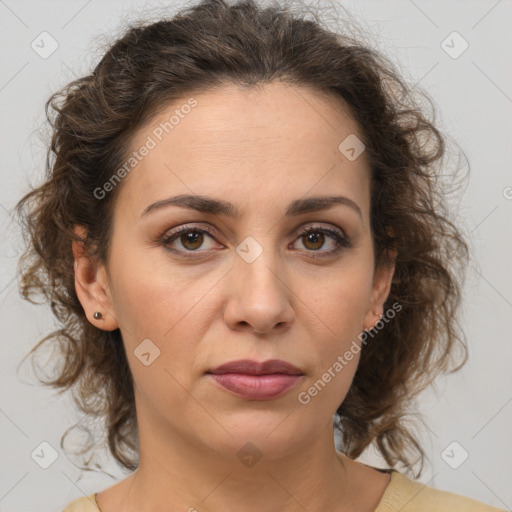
[(269, 437)]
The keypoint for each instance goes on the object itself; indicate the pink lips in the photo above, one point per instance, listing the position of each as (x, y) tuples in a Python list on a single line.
[(257, 381)]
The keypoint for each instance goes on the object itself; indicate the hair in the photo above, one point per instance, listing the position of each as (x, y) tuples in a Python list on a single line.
[(93, 120)]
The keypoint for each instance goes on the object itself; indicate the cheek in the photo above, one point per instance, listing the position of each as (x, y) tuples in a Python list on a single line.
[(337, 351), (151, 296), (169, 307), (340, 304), (341, 300), (160, 317)]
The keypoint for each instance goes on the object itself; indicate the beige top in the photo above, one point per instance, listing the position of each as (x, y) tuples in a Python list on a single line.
[(401, 495)]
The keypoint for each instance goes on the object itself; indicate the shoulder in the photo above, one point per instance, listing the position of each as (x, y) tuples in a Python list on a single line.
[(85, 504), (408, 495)]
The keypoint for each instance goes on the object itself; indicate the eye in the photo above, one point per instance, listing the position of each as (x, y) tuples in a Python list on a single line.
[(313, 238), (190, 238)]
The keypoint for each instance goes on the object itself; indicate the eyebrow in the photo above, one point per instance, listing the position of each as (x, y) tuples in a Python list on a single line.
[(214, 206)]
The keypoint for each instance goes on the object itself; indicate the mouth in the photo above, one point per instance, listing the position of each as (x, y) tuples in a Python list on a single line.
[(253, 380)]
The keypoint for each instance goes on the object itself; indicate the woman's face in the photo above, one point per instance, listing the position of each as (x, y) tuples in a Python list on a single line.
[(250, 286)]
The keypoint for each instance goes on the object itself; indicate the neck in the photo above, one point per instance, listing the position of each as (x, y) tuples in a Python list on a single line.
[(177, 473)]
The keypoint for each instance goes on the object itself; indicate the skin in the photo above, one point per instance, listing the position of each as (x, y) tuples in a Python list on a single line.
[(259, 148)]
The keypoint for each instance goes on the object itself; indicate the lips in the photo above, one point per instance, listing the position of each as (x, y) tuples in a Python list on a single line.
[(250, 367), (253, 380)]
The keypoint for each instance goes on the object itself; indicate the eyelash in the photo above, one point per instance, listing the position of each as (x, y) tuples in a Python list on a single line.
[(342, 240)]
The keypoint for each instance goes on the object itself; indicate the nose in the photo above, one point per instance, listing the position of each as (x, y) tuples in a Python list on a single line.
[(259, 298)]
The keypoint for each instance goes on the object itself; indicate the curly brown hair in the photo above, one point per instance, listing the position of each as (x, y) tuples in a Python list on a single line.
[(93, 121)]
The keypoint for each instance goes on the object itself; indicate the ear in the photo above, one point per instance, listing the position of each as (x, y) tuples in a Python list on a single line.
[(382, 279), (92, 287)]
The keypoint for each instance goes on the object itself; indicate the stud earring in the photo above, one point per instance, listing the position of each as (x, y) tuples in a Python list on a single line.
[(97, 315)]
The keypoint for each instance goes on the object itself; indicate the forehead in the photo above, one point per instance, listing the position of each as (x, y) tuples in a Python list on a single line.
[(243, 141)]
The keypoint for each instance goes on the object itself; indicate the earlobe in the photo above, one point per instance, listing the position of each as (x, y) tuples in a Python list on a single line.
[(92, 287)]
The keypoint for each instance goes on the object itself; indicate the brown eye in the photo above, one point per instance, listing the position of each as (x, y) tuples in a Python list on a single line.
[(314, 238), (190, 240)]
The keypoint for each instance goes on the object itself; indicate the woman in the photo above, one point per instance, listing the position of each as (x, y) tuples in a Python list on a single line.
[(242, 237)]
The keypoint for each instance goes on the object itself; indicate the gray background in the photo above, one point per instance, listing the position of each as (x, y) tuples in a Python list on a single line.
[(473, 98)]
